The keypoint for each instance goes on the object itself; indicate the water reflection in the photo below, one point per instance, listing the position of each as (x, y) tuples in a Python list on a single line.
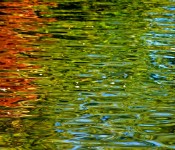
[(19, 28), (102, 74), (161, 44), (15, 84)]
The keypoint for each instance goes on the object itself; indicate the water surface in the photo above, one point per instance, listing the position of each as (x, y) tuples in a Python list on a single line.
[(87, 74)]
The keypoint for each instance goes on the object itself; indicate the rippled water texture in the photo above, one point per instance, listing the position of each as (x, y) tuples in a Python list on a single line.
[(87, 74)]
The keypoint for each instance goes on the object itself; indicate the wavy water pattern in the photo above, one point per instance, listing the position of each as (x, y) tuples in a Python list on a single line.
[(104, 75)]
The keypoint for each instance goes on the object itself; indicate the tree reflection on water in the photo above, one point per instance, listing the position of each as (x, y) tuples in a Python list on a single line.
[(18, 19), (19, 25)]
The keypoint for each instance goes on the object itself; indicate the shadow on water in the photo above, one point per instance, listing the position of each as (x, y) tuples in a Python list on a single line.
[(98, 74)]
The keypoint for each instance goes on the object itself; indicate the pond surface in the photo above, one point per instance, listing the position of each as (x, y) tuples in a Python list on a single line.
[(85, 74)]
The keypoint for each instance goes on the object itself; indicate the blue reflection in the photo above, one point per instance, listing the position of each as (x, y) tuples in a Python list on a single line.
[(170, 8), (105, 118)]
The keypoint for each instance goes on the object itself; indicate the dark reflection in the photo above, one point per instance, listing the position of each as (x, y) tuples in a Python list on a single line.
[(70, 6)]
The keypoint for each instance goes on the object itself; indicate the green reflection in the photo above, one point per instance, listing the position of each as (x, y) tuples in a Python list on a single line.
[(106, 78)]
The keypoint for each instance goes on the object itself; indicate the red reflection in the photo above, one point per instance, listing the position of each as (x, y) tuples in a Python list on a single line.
[(16, 20)]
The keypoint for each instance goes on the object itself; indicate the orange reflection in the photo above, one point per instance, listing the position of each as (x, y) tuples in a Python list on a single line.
[(16, 20)]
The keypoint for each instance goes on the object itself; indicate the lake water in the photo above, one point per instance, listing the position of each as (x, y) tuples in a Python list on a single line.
[(87, 74)]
